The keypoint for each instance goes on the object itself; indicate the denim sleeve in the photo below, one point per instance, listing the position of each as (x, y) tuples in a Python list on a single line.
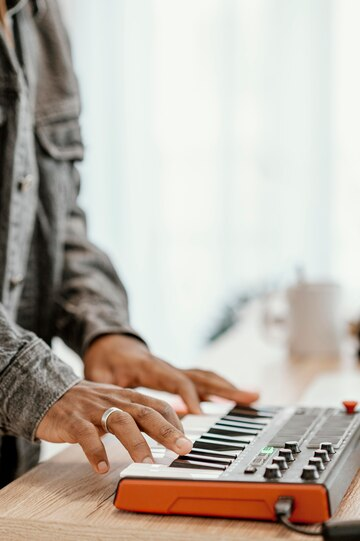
[(32, 379), (92, 300)]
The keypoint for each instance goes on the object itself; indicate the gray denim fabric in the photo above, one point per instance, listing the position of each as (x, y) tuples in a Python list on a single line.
[(53, 281)]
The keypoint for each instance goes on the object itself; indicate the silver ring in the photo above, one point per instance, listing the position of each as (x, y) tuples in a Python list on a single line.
[(105, 417)]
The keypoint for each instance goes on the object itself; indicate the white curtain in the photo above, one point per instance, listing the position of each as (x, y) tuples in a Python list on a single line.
[(222, 150)]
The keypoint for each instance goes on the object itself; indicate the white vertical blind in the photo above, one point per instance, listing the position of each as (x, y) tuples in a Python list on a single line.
[(221, 149)]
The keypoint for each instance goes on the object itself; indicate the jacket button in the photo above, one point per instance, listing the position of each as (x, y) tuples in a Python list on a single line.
[(25, 183), (16, 280)]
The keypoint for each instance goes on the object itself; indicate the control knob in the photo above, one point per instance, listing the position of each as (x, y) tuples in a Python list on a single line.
[(317, 462), (287, 454), (272, 472), (310, 473), (281, 462), (350, 406), (321, 453), (293, 446), (328, 447)]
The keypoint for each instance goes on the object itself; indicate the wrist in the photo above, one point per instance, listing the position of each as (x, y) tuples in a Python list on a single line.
[(115, 341)]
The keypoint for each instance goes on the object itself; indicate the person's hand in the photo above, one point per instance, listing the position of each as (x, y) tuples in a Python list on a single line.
[(76, 418), (125, 361)]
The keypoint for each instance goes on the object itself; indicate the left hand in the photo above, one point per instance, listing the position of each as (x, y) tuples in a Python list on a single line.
[(125, 361)]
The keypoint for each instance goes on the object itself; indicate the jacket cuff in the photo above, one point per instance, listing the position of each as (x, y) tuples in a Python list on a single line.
[(103, 329), (32, 383)]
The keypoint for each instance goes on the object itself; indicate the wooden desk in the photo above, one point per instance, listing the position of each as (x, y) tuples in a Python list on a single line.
[(62, 500)]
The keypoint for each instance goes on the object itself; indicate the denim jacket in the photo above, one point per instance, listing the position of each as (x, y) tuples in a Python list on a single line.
[(53, 281)]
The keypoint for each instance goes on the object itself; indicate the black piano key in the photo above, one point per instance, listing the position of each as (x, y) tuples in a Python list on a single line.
[(214, 454), (195, 465), (250, 413), (225, 439), (205, 459), (214, 445), (231, 432), (234, 424), (243, 420)]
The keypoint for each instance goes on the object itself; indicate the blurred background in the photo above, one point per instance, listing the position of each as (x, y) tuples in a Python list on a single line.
[(222, 152)]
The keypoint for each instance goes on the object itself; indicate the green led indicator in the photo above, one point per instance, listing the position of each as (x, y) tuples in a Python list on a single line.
[(267, 450)]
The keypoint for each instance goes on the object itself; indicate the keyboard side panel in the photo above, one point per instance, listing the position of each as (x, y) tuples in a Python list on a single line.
[(347, 468), (220, 499)]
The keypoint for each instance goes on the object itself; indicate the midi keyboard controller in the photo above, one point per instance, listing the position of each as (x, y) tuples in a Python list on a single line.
[(244, 459)]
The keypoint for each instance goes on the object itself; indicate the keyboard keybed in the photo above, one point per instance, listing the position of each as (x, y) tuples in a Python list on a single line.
[(244, 444), (227, 435)]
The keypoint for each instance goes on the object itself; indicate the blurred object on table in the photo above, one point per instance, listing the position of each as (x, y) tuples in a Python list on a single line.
[(307, 317), (233, 312), (354, 330)]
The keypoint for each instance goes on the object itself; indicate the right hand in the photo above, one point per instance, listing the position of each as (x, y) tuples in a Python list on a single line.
[(76, 418)]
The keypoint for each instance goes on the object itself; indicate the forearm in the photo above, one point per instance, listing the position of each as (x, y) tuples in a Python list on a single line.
[(32, 378), (92, 300)]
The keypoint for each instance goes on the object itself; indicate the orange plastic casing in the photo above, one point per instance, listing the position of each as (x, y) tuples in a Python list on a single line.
[(221, 499)]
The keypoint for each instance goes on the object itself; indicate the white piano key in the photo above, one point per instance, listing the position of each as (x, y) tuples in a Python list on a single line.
[(199, 422), (215, 408), (164, 472)]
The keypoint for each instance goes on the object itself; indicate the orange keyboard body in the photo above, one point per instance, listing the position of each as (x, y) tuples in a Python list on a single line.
[(240, 486)]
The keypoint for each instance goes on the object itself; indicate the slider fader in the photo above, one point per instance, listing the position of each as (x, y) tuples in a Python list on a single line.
[(244, 459)]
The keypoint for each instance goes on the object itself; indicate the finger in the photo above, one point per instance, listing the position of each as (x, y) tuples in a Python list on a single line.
[(89, 439), (187, 390), (154, 424), (236, 395), (207, 377), (209, 383), (168, 378), (123, 426), (160, 406)]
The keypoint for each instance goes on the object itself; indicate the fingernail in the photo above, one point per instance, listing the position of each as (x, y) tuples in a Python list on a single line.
[(148, 460), (184, 443), (102, 467)]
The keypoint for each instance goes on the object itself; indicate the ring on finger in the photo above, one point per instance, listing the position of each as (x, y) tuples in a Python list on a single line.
[(106, 415)]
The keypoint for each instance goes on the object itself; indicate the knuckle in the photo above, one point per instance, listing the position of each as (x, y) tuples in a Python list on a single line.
[(165, 409), (185, 384), (75, 424), (84, 431), (128, 393), (143, 413), (94, 452), (140, 446), (120, 418), (166, 431)]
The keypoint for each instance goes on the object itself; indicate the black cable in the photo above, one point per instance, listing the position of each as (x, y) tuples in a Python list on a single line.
[(286, 522), (283, 509), (330, 530)]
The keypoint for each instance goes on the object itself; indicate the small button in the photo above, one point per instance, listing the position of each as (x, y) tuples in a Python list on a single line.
[(25, 183), (317, 462), (310, 473), (16, 280), (321, 453), (250, 469), (328, 447), (272, 472), (350, 406), (281, 462), (293, 446), (259, 460), (287, 454)]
